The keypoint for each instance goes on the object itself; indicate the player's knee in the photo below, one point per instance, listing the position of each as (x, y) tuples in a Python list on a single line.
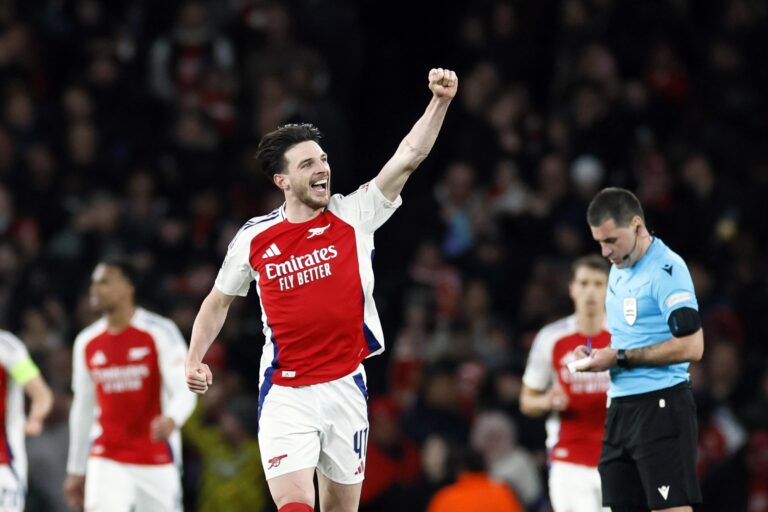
[(296, 507)]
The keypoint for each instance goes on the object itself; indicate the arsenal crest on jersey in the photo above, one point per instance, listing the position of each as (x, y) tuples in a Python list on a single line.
[(630, 310)]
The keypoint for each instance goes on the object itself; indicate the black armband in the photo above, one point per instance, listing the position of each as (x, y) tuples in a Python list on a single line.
[(684, 321)]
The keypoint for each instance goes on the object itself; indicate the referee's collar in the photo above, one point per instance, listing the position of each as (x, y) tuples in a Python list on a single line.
[(653, 248)]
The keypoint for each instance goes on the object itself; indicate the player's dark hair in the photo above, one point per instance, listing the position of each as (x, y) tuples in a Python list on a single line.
[(124, 265), (270, 155), (615, 203), (593, 261), (469, 460)]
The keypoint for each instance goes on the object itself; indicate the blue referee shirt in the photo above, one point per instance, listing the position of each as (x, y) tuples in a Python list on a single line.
[(638, 304)]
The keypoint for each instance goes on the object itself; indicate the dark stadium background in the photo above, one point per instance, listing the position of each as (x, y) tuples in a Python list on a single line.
[(102, 152)]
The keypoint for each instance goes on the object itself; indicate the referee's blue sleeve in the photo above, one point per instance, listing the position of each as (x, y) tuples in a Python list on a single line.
[(674, 288)]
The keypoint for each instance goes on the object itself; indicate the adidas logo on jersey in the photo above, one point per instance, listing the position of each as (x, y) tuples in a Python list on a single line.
[(271, 252), (136, 353), (98, 358)]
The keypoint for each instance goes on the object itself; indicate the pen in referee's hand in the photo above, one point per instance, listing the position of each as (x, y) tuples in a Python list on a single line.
[(589, 345)]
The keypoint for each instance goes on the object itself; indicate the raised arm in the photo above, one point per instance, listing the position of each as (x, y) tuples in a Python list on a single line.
[(418, 143), (207, 326)]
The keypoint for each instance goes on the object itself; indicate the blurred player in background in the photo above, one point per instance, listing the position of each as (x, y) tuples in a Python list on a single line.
[(18, 375), (648, 458), (129, 403), (575, 401), (312, 263)]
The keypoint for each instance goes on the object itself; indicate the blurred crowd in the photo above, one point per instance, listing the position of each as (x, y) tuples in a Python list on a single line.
[(129, 126)]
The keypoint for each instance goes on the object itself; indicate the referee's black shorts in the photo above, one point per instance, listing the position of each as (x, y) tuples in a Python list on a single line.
[(649, 450)]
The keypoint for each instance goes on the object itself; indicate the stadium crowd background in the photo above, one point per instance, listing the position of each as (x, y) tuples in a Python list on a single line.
[(128, 127)]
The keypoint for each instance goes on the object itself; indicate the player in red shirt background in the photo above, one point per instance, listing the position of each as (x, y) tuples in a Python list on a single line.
[(129, 403), (576, 402), (311, 263)]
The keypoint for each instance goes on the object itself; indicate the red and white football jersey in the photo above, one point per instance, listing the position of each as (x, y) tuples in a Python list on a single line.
[(576, 434), (121, 382), (315, 284)]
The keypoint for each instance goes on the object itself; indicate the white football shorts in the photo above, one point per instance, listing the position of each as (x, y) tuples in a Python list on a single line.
[(112, 486), (575, 488), (11, 490), (322, 425)]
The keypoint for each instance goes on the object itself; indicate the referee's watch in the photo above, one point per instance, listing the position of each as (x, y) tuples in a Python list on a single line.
[(621, 358)]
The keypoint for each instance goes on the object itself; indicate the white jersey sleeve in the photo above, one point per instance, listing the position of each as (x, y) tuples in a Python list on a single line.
[(236, 273), (366, 208), (539, 370), (178, 401), (13, 355), (82, 412)]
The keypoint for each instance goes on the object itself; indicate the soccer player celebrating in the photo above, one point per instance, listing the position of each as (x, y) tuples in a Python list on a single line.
[(128, 365), (18, 375), (311, 261), (648, 458), (575, 401)]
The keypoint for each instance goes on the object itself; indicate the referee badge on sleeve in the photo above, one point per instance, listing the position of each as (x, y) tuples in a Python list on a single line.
[(630, 310)]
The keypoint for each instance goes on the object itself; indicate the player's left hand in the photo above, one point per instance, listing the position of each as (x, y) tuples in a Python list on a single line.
[(443, 83), (161, 428), (33, 427), (599, 359)]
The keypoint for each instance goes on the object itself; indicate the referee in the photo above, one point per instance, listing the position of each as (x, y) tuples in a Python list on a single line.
[(648, 459)]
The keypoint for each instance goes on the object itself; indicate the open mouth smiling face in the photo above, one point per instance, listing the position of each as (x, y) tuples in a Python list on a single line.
[(320, 186)]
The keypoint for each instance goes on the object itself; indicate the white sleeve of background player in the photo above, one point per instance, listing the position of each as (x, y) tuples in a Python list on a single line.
[(366, 208), (171, 352), (235, 274), (13, 352), (82, 411), (538, 369)]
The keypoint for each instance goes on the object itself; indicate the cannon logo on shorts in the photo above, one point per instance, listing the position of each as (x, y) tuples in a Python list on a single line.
[(275, 461), (300, 270)]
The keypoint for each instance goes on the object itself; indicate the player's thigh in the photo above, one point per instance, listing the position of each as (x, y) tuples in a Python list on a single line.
[(11, 490), (666, 451), (344, 441), (294, 487), (336, 497), (108, 486), (158, 488), (289, 431), (574, 488)]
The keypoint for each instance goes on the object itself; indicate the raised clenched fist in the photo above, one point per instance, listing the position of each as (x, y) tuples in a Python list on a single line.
[(443, 83)]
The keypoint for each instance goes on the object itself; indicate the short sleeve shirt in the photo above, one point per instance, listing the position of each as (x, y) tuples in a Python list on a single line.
[(639, 301), (315, 284)]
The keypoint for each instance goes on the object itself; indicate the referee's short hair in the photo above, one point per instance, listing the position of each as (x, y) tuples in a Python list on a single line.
[(615, 203), (593, 261)]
